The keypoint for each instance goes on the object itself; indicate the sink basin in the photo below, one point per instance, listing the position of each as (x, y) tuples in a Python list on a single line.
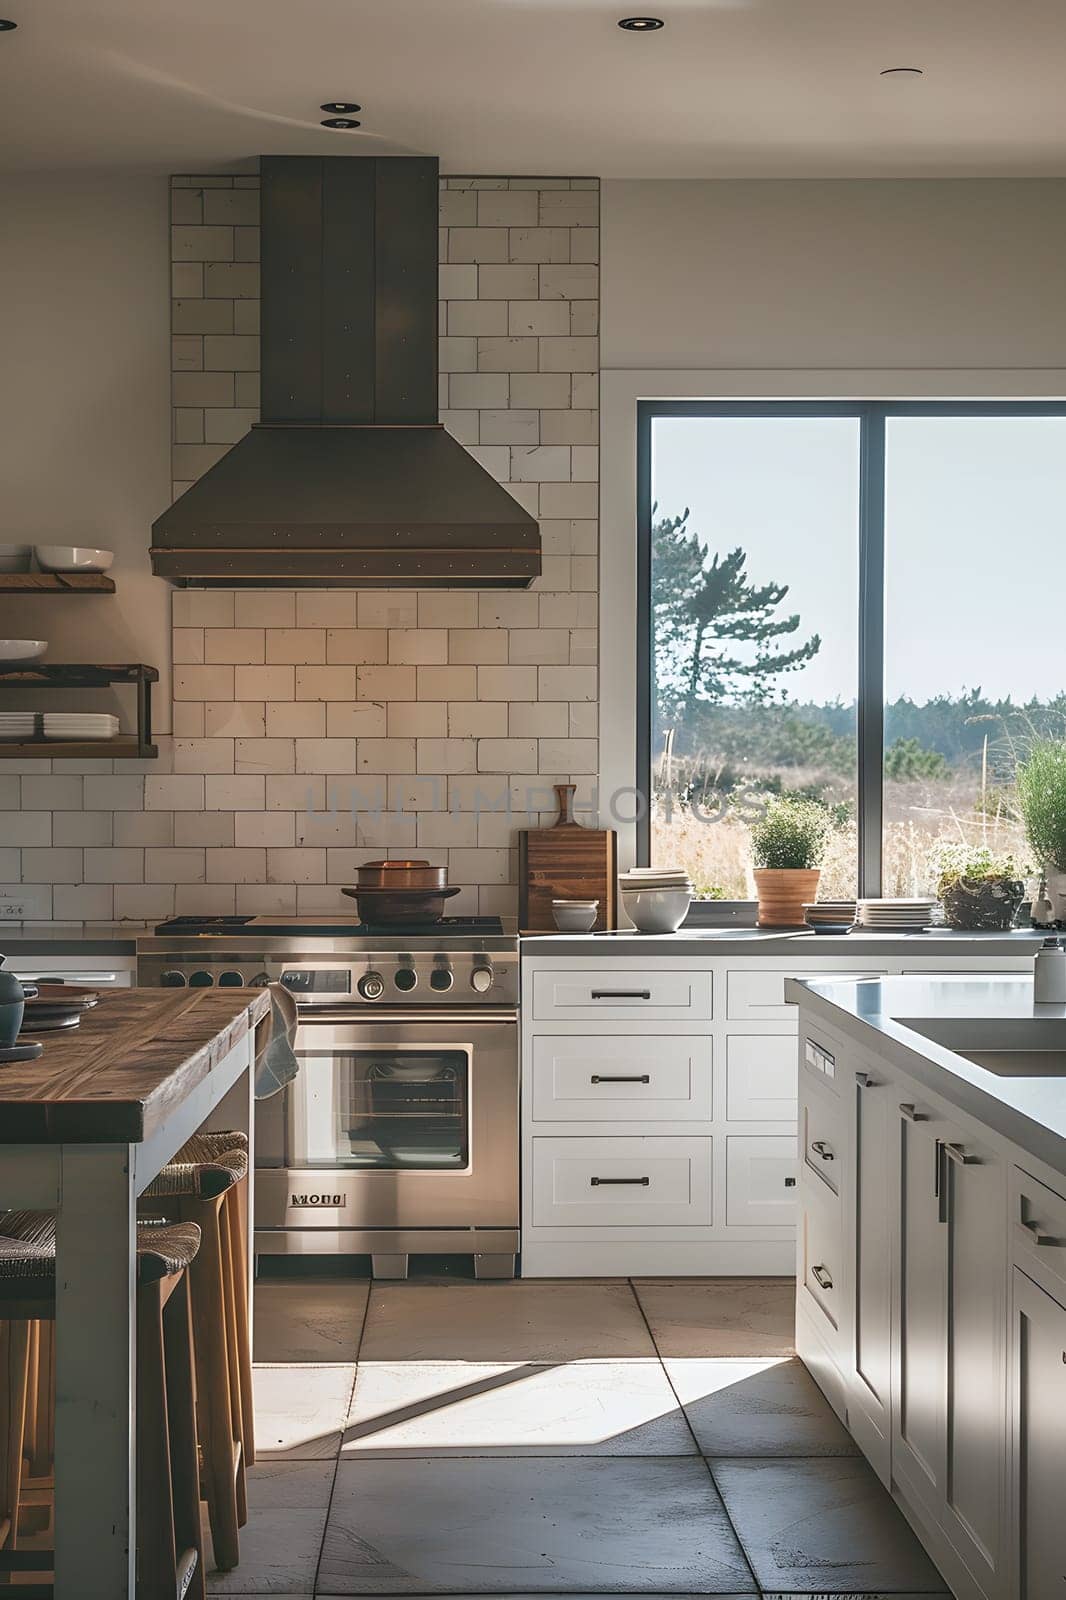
[(1011, 1047)]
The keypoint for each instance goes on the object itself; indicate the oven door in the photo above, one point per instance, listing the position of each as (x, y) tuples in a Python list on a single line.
[(410, 1120)]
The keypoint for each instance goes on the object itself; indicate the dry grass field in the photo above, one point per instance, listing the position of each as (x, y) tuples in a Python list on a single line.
[(713, 844)]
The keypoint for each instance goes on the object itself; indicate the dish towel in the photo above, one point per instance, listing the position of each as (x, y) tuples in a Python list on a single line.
[(276, 1064)]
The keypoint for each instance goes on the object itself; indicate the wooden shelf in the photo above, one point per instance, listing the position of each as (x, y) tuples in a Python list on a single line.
[(81, 675), (74, 675), (56, 583), (125, 746)]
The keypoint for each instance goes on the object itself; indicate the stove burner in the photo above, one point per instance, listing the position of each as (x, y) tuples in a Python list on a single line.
[(326, 927)]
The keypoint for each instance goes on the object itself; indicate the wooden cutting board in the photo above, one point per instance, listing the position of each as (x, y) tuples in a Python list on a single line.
[(566, 862)]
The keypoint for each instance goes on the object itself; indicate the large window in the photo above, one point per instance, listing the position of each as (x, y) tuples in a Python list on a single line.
[(852, 602)]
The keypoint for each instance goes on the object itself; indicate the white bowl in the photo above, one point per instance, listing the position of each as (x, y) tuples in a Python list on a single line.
[(72, 558), (656, 910), (574, 919), (13, 652)]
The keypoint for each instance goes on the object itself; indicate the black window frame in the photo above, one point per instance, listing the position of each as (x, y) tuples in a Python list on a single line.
[(871, 416)]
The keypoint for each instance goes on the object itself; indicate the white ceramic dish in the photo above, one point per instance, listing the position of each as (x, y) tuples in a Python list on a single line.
[(14, 652), (72, 558), (575, 918), (656, 910)]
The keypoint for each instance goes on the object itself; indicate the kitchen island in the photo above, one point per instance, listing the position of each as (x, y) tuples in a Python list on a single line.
[(931, 1260), (83, 1130)]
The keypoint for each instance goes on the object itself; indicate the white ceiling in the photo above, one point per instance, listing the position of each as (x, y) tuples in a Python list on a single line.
[(731, 88)]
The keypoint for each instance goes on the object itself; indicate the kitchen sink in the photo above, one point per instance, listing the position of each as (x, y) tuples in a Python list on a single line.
[(1011, 1047)]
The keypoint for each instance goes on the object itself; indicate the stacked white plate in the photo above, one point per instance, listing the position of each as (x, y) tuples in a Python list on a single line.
[(80, 725), (901, 916), (18, 724)]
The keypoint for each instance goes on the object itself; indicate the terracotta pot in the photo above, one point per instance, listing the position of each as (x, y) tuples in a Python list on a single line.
[(783, 892)]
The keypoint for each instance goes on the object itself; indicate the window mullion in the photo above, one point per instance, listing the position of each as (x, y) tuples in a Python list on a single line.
[(871, 707)]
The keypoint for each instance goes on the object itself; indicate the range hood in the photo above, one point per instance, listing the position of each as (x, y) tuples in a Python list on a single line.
[(349, 479)]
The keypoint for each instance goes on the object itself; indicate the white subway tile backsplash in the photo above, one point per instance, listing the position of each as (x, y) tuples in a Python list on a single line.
[(281, 694)]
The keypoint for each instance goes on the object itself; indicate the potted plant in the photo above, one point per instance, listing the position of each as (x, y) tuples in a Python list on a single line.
[(1041, 786), (978, 888), (787, 845)]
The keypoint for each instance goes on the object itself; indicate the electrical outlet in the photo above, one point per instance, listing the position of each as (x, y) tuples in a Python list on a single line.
[(12, 910)]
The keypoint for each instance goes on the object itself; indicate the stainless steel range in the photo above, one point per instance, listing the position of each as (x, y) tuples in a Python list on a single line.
[(399, 1133)]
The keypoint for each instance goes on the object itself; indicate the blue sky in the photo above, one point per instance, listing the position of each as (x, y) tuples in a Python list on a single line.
[(975, 534)]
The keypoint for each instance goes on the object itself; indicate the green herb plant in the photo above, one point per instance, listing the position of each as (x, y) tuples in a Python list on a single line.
[(792, 834)]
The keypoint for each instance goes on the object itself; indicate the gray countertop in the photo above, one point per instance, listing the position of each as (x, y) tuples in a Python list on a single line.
[(886, 1016), (768, 942), (70, 938)]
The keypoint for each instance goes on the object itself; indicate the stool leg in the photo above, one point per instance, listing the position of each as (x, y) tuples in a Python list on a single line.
[(235, 1206), (232, 1364), (181, 1410), (156, 1553), (42, 1443), (14, 1370), (221, 1452)]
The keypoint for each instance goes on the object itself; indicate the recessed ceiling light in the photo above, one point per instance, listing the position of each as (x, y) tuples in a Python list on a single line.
[(341, 108), (6, 26), (340, 122), (901, 72), (642, 24)]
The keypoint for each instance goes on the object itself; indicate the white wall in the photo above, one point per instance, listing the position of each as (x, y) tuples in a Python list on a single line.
[(85, 403), (838, 274)]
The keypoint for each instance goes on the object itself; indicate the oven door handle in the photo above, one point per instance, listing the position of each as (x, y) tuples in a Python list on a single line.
[(308, 1016)]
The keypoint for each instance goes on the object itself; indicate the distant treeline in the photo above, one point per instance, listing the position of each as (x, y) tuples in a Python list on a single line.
[(922, 739)]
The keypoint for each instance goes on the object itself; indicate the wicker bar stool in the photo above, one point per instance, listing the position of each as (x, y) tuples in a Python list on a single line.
[(206, 1183), (169, 1541)]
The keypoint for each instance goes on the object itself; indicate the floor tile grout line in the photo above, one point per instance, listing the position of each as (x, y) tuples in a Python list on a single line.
[(692, 1432), (340, 1446)]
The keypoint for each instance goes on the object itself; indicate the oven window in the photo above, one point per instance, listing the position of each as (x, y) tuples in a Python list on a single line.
[(383, 1110)]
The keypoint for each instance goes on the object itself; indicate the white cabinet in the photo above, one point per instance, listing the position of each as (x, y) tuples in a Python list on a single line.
[(627, 1182), (760, 1074), (870, 1232), (1039, 1399), (601, 995), (597, 1078), (760, 1180)]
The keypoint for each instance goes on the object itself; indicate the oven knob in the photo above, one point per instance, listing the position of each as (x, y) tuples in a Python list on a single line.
[(201, 980), (371, 986), (231, 979), (441, 979), (405, 979), (172, 980), (481, 979)]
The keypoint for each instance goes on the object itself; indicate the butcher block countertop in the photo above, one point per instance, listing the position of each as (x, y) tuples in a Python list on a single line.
[(121, 1072)]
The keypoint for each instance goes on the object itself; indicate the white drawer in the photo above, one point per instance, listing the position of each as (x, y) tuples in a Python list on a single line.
[(622, 997), (607, 1183), (630, 1079), (1038, 1217), (822, 1259), (758, 995), (760, 1180), (822, 1135), (761, 1074)]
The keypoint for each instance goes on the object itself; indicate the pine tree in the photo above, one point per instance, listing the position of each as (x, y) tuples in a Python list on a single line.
[(701, 611)]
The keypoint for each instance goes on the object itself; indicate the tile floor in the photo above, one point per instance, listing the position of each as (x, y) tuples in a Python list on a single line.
[(565, 1438)]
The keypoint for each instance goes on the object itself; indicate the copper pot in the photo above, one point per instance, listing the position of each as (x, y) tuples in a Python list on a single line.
[(401, 875)]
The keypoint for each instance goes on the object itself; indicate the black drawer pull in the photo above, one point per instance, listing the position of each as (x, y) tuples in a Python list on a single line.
[(621, 994), (820, 1148), (598, 1183), (633, 1077), (821, 1277)]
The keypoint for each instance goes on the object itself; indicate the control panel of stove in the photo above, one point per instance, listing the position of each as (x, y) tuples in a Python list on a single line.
[(376, 978)]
